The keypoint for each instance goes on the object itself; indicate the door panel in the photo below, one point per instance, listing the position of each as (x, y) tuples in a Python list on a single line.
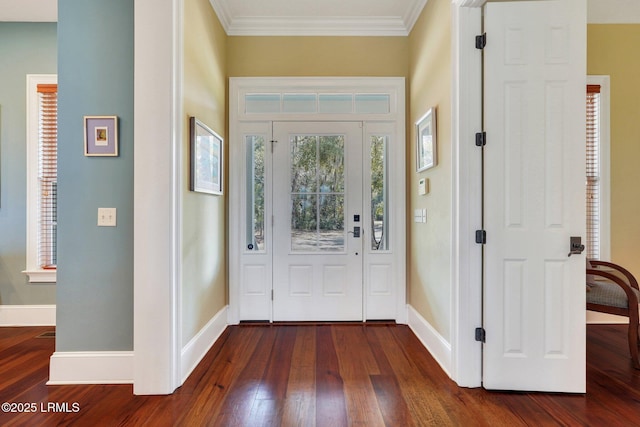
[(534, 313), (317, 203)]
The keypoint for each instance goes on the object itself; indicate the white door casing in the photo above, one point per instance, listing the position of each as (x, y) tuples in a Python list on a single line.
[(534, 313)]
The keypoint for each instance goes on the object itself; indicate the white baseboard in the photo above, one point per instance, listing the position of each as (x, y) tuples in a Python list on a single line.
[(198, 346), (594, 317), (28, 315), (91, 367), (439, 348)]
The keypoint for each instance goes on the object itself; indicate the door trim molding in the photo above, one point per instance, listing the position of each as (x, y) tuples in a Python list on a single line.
[(157, 192), (466, 265)]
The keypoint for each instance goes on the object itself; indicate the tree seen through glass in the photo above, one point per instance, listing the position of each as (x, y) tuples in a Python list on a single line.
[(317, 192)]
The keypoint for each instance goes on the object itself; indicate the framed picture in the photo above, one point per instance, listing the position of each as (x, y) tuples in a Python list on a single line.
[(206, 159), (426, 141), (100, 135)]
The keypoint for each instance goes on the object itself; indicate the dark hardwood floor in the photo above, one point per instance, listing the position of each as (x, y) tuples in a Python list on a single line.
[(317, 375)]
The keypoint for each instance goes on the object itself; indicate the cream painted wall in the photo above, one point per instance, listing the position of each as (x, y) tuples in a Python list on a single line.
[(317, 56), (429, 245), (612, 50), (203, 216)]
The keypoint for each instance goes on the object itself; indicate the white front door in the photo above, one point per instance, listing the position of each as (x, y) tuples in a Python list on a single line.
[(534, 293), (317, 221)]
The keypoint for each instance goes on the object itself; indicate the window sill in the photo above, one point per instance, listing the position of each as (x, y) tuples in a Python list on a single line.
[(41, 276)]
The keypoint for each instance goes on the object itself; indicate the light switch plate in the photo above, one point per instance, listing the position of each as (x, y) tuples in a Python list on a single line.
[(420, 215), (106, 217), (417, 215)]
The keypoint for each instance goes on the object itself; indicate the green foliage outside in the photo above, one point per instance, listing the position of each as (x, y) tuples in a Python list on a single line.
[(317, 186)]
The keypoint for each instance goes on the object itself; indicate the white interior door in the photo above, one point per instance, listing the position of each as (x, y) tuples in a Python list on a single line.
[(534, 313), (317, 218)]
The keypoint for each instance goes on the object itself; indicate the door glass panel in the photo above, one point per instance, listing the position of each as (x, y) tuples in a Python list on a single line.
[(304, 151), (304, 222), (331, 164), (331, 230), (317, 193), (379, 196), (255, 145)]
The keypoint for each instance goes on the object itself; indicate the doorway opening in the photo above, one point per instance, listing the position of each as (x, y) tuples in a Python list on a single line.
[(317, 230)]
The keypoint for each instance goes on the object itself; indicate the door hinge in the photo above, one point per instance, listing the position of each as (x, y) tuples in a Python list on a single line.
[(481, 41), (273, 220), (481, 335), (481, 237), (273, 142), (481, 139), (271, 294)]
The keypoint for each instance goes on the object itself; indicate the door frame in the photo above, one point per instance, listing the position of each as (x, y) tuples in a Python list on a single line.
[(241, 86), (466, 170)]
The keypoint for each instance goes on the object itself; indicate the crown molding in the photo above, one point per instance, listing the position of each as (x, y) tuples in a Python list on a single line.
[(469, 3), (222, 11), (309, 26), (400, 25), (413, 14)]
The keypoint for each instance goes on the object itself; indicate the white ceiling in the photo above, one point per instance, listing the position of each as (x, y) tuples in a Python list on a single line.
[(317, 17), (613, 11), (29, 10)]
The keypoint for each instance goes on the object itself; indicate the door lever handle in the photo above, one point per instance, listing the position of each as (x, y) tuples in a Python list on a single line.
[(575, 246), (355, 232)]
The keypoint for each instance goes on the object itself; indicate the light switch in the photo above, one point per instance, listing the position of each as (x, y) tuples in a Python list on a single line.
[(420, 215), (106, 217), (417, 215)]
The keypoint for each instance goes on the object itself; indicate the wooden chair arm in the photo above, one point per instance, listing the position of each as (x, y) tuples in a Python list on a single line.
[(632, 280), (631, 296)]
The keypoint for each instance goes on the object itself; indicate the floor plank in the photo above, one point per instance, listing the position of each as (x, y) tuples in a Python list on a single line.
[(331, 409), (319, 375), (300, 404)]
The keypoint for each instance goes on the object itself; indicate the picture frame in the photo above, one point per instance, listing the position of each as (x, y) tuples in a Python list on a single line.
[(206, 158), (100, 136), (426, 141)]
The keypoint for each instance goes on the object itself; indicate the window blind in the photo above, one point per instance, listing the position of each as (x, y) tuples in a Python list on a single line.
[(593, 172), (48, 175)]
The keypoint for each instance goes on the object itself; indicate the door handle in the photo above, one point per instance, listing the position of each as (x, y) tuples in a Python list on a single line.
[(355, 232), (575, 246)]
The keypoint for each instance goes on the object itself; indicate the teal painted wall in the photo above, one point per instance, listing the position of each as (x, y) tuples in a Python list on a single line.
[(25, 48), (95, 264)]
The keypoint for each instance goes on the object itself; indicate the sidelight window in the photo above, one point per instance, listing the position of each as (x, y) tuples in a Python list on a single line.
[(379, 194), (255, 233)]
